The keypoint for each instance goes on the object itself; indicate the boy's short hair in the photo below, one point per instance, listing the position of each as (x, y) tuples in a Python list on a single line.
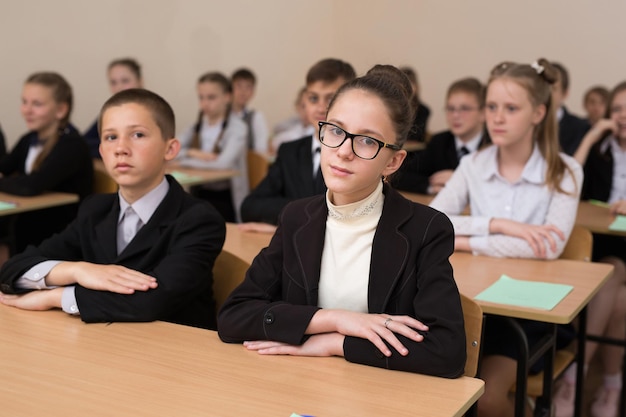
[(243, 74), (563, 74), (160, 109), (329, 70), (470, 86)]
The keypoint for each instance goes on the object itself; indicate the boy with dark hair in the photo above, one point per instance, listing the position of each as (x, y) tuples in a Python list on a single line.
[(572, 128), (295, 173), (432, 168), (143, 254)]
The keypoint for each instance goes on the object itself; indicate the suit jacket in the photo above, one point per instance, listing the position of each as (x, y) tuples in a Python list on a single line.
[(178, 246), (289, 178), (572, 129), (409, 275), (439, 154), (67, 168)]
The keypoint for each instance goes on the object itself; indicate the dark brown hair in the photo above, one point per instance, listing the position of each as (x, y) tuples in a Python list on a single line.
[(129, 63), (394, 89), (329, 70), (603, 92), (243, 74), (161, 111), (61, 94), (563, 76), (222, 81)]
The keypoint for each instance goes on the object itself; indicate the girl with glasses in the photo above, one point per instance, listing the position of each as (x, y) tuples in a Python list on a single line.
[(359, 272)]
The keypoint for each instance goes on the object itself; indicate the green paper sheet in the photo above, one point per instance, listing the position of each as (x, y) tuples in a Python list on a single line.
[(619, 224), (183, 178), (5, 205), (532, 294)]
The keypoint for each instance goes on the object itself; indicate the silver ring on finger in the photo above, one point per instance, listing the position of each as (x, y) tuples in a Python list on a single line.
[(387, 322)]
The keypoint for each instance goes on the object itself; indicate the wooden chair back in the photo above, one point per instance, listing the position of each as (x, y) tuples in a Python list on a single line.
[(579, 246), (257, 168), (102, 183), (228, 272), (473, 316)]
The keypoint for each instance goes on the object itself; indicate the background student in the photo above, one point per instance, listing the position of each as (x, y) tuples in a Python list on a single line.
[(523, 197), (603, 153), (465, 115), (571, 128), (360, 271), (217, 141), (244, 85), (295, 173), (3, 146), (142, 254), (122, 74), (595, 102), (419, 131), (51, 156), (295, 127)]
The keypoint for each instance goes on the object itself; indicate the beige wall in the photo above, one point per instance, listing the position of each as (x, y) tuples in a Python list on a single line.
[(176, 41)]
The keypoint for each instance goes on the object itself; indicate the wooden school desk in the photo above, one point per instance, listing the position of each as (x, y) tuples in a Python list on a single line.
[(188, 177), (596, 218), (46, 200), (55, 365)]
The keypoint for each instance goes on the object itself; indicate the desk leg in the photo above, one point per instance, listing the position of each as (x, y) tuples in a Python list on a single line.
[(522, 368), (580, 369), (543, 405)]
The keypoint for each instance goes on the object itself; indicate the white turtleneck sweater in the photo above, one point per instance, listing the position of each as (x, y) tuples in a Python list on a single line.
[(345, 269)]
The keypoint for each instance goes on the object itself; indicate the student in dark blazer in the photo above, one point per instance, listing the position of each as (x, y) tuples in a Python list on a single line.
[(294, 174), (50, 157), (3, 144), (143, 254), (359, 272), (429, 170), (572, 128), (602, 153)]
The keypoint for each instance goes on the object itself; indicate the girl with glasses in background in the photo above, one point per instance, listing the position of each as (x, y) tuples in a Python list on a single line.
[(360, 271)]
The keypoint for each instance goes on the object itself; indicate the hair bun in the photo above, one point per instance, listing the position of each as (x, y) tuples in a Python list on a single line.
[(546, 70)]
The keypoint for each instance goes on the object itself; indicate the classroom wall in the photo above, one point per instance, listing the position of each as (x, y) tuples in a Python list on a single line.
[(176, 41)]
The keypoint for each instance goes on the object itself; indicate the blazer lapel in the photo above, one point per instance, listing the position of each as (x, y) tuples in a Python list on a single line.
[(390, 251), (308, 244), (305, 168), (106, 231)]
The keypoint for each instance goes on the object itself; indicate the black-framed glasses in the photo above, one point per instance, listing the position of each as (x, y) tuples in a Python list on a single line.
[(364, 147)]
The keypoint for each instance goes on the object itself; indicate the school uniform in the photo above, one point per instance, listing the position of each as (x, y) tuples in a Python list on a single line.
[(409, 274), (572, 129), (232, 155), (178, 246), (293, 175), (443, 152), (601, 184), (258, 132), (420, 125), (67, 168)]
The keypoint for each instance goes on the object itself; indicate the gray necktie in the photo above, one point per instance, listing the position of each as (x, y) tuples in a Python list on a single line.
[(127, 228)]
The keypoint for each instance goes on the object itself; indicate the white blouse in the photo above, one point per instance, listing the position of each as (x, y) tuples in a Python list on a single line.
[(477, 182), (345, 269)]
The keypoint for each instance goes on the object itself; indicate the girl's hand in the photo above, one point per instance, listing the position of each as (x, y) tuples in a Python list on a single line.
[(601, 126), (326, 344), (536, 236), (619, 207), (204, 156), (377, 328)]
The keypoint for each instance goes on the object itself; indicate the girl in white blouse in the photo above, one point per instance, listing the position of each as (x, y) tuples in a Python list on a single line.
[(523, 197), (217, 141)]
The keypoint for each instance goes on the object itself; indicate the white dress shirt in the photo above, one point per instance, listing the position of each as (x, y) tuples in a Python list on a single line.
[(477, 182), (618, 183)]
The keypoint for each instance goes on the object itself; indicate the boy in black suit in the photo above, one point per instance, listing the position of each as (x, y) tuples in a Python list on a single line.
[(572, 129), (295, 174), (143, 254), (432, 168)]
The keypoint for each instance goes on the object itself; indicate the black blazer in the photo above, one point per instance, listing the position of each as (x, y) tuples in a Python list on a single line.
[(178, 246), (409, 274), (572, 129), (439, 154), (289, 178), (68, 168), (598, 171)]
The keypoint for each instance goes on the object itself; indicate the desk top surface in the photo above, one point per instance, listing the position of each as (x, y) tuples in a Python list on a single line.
[(596, 218), (56, 365), (22, 204), (475, 273), (194, 176)]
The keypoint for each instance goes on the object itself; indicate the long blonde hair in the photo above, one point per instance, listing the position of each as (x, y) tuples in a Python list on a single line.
[(62, 94), (538, 80)]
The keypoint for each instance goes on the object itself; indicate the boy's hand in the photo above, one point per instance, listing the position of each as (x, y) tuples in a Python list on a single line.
[(113, 278), (35, 300)]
